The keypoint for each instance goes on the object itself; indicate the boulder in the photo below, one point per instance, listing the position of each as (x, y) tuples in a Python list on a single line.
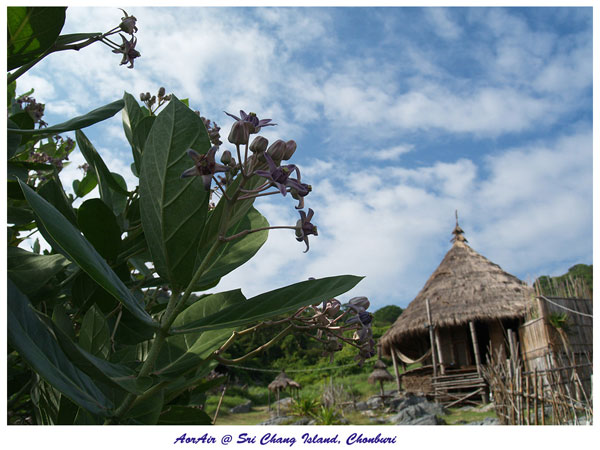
[(375, 402), (242, 408), (362, 406), (302, 421), (416, 414), (281, 420)]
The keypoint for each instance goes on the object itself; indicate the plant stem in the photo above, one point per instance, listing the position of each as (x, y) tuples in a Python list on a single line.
[(257, 350)]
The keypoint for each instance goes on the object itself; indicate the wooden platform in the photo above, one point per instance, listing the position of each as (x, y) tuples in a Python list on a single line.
[(459, 387)]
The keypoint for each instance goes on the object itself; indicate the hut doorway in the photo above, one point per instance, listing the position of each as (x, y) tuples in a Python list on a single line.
[(482, 333)]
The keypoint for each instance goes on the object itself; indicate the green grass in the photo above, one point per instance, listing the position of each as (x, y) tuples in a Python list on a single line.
[(455, 416)]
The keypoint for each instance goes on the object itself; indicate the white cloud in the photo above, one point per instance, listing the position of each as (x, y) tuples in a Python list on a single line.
[(393, 225), (443, 25), (392, 153)]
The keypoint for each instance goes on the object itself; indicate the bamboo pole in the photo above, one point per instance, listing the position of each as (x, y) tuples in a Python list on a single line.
[(527, 399), (535, 398), (431, 338), (477, 356), (396, 371), (438, 346)]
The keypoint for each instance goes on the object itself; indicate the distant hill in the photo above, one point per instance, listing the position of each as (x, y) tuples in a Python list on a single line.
[(578, 281), (386, 315)]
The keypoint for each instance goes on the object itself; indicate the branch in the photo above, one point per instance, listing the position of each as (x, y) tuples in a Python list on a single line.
[(256, 351)]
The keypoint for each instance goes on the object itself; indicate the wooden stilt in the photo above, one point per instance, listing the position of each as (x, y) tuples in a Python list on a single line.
[(431, 339), (396, 371), (438, 347), (477, 356)]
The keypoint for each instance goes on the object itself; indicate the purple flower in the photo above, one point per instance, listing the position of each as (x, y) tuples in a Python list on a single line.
[(280, 177), (252, 120), (128, 50), (204, 166), (304, 228), (128, 23)]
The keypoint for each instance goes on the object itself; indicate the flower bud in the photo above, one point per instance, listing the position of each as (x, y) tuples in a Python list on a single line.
[(239, 133), (161, 92), (361, 302), (128, 24), (259, 144), (276, 150), (290, 148), (226, 157)]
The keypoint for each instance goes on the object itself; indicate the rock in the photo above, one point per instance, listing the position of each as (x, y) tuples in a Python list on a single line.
[(302, 421), (429, 419), (362, 406), (281, 420), (415, 414), (242, 408), (375, 402), (486, 421), (284, 403), (344, 421), (397, 404)]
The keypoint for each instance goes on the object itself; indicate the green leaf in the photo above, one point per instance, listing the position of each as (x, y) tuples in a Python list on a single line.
[(37, 346), (132, 114), (273, 303), (184, 351), (94, 336), (52, 191), (19, 216), (233, 254), (31, 31), (22, 120), (147, 410), (110, 186), (240, 209), (97, 368), (173, 209), (140, 135), (86, 185), (14, 140), (99, 225), (83, 253), (62, 321), (30, 271), (184, 415), (95, 116)]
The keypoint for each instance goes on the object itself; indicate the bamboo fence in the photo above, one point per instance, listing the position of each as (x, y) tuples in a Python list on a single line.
[(552, 396)]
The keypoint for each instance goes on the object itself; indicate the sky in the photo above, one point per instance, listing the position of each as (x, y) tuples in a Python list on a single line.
[(401, 115)]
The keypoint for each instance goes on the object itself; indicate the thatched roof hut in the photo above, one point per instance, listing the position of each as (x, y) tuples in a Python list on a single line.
[(472, 304), (466, 287)]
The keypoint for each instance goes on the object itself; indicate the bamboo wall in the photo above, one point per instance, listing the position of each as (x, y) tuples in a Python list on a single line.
[(541, 344)]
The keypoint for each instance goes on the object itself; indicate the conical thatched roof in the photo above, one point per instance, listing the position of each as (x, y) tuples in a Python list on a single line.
[(380, 373), (465, 287), (282, 381)]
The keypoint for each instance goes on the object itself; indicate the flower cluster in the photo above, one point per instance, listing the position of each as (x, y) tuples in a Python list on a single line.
[(255, 160), (333, 321), (33, 108), (150, 100), (126, 48)]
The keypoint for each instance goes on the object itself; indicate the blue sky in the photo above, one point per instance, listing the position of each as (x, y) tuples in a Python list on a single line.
[(401, 115)]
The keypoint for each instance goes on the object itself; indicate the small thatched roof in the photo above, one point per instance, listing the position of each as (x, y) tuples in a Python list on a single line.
[(282, 381), (380, 373), (465, 287)]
